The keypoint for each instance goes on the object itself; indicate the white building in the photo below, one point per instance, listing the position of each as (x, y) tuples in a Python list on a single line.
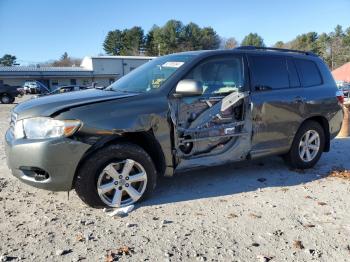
[(101, 70)]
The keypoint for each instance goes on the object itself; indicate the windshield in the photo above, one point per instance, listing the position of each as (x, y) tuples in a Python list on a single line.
[(151, 75)]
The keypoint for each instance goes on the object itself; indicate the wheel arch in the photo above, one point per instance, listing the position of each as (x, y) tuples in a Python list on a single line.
[(146, 140)]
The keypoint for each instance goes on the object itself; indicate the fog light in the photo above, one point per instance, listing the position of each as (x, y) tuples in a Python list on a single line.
[(34, 172)]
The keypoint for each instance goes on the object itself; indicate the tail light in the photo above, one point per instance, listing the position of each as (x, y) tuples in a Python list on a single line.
[(340, 96)]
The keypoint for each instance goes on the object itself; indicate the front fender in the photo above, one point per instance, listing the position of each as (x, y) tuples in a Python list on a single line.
[(123, 116)]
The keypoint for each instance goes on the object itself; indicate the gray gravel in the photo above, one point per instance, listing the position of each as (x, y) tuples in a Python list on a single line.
[(252, 211)]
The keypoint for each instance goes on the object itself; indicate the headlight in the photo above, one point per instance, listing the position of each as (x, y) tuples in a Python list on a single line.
[(45, 127)]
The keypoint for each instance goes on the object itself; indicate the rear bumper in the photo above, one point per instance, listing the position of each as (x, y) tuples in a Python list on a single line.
[(56, 158), (335, 124)]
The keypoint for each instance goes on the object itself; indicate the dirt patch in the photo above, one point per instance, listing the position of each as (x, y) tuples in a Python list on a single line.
[(298, 244), (340, 173), (3, 183)]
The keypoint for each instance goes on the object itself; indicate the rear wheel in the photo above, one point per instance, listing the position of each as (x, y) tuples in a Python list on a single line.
[(307, 146), (6, 99), (116, 176)]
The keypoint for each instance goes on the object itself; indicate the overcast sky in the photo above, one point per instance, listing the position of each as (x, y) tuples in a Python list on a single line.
[(40, 30)]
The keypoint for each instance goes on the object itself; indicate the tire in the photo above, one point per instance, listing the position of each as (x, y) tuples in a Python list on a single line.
[(294, 157), (6, 99), (93, 171)]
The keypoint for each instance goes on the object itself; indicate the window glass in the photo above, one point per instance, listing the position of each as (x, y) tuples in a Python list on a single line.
[(219, 75), (73, 81), (293, 74), (269, 72), (310, 76), (152, 75)]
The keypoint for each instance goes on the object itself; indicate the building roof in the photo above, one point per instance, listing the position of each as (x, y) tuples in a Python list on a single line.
[(342, 73), (33, 71), (86, 69), (45, 71), (42, 69)]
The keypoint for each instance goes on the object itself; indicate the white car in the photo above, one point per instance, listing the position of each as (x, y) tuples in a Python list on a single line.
[(34, 87)]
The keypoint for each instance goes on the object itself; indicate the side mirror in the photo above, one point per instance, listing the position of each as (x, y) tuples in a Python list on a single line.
[(188, 87)]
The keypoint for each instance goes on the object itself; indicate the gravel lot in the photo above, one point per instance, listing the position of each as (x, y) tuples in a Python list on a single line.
[(251, 211)]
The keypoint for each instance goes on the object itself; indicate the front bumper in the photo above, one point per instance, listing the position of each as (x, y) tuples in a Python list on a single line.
[(57, 158)]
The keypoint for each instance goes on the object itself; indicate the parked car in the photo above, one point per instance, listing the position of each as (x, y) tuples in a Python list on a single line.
[(9, 93), (63, 89), (174, 113), (346, 91), (35, 87)]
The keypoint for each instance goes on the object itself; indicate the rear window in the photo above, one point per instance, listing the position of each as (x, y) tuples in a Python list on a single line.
[(269, 72), (309, 73)]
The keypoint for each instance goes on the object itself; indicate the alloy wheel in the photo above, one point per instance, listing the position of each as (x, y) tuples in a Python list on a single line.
[(122, 183), (309, 145)]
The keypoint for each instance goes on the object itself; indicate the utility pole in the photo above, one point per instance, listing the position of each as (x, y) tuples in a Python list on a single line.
[(332, 62)]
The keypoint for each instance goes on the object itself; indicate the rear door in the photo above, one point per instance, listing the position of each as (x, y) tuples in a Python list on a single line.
[(278, 103), (215, 127)]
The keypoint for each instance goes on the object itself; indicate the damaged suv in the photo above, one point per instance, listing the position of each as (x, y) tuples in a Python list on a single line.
[(176, 112)]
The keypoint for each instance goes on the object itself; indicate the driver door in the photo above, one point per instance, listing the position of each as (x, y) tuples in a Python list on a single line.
[(215, 127)]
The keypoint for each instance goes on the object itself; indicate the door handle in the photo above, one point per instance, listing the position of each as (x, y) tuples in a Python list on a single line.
[(262, 88), (299, 99)]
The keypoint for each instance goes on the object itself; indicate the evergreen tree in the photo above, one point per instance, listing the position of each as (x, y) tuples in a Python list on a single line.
[(7, 60), (253, 39), (113, 42)]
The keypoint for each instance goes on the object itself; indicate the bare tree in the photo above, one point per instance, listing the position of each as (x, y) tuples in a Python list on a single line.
[(230, 43)]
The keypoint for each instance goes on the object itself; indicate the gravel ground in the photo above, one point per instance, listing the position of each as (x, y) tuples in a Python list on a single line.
[(251, 211)]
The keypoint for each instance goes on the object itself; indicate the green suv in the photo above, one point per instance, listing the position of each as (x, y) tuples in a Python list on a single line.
[(174, 113)]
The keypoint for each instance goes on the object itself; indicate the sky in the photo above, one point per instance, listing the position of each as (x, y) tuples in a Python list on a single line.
[(41, 30)]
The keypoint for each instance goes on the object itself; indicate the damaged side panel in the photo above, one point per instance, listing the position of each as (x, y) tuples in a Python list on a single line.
[(211, 130)]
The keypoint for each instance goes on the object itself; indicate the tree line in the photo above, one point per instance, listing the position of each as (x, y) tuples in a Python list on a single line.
[(174, 36), (333, 48)]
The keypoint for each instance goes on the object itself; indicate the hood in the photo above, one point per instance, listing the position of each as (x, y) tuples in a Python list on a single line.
[(48, 105)]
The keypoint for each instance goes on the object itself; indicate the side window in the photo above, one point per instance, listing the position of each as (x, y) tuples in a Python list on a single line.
[(293, 74), (220, 75), (309, 73), (269, 72)]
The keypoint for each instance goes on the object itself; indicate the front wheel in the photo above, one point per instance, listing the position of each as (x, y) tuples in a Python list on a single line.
[(116, 176), (307, 146)]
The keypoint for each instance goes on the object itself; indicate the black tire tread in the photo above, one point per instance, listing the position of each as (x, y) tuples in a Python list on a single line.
[(9, 96), (292, 157), (85, 182)]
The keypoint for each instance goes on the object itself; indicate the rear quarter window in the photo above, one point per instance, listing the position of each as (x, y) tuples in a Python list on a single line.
[(309, 72)]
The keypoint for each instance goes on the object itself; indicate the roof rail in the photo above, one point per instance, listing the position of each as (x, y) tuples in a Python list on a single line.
[(250, 47)]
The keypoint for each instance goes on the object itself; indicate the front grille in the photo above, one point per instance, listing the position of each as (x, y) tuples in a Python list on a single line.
[(13, 120)]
